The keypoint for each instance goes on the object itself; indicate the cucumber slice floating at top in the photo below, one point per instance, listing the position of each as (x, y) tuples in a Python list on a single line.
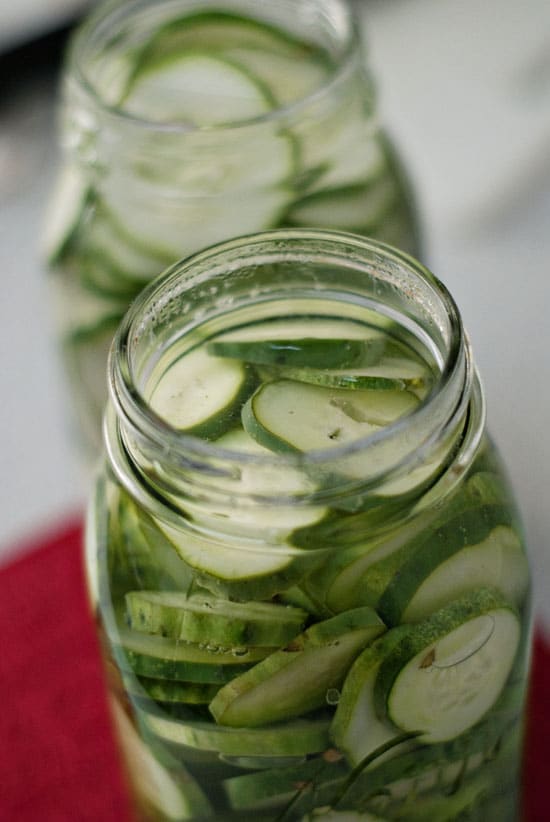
[(312, 352), (297, 417), (386, 374), (450, 669), (200, 394)]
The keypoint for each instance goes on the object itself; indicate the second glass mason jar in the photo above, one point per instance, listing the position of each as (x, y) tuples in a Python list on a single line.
[(303, 553), (188, 122)]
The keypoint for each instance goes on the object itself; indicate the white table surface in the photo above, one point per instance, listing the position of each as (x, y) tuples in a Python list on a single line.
[(465, 89)]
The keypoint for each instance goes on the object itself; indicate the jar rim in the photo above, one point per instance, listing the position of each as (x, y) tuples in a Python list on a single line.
[(106, 14), (454, 383)]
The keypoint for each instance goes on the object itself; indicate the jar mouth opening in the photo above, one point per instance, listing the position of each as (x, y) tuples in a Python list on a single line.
[(436, 415), (105, 20)]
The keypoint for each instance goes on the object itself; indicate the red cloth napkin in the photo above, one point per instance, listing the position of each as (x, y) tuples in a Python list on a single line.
[(58, 761)]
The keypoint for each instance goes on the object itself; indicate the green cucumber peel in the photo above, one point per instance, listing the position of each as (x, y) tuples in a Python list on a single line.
[(156, 562), (169, 692)]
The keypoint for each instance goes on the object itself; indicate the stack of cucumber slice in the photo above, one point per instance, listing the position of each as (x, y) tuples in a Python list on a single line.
[(376, 677)]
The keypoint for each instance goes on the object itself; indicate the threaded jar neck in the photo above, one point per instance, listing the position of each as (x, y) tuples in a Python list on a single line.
[(269, 276), (106, 48)]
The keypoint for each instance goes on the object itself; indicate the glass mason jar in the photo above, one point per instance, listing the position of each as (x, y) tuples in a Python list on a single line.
[(303, 553), (188, 122)]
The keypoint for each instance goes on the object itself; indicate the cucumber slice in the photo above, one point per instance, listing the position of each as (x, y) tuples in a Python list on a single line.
[(498, 561), (66, 212), (162, 658), (224, 188), (288, 78), (385, 376), (356, 729), (290, 416), (204, 618), (473, 549), (202, 395), (297, 738), (197, 89), (356, 207), (300, 677), (299, 352), (438, 768), (360, 573), (219, 31), (451, 668), (339, 583), (170, 692), (239, 571), (150, 559), (209, 212), (341, 142), (279, 786), (298, 328), (175, 797)]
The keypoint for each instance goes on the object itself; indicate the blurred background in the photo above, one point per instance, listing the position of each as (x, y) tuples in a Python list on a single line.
[(464, 88)]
